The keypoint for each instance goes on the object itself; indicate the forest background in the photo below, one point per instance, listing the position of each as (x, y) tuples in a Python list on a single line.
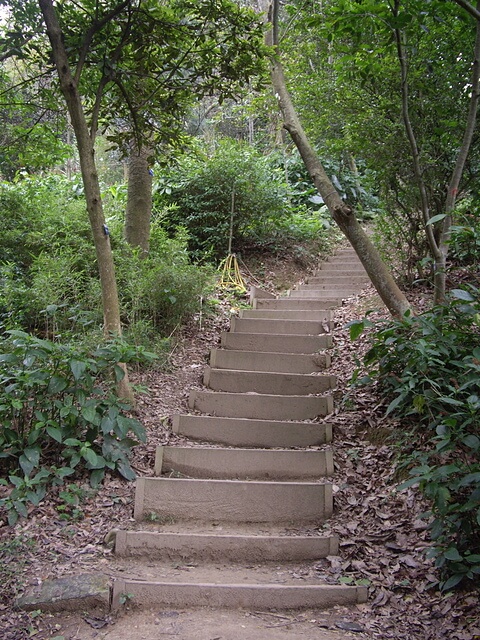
[(142, 141)]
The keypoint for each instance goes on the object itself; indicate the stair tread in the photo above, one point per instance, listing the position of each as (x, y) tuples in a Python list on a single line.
[(212, 527), (246, 432), (292, 574), (237, 463)]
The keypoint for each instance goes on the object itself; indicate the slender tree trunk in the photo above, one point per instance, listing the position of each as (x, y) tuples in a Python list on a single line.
[(439, 248), (343, 215), (139, 200), (439, 264), (85, 144), (457, 172)]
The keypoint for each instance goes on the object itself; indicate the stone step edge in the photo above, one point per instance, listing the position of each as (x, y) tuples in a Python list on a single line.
[(269, 382), (280, 326), (312, 315), (261, 406), (235, 501), (238, 596), (286, 302), (275, 343), (288, 361), (234, 547), (245, 432), (227, 463)]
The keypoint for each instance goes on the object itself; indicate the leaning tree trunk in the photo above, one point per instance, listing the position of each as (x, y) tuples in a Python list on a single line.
[(110, 303), (343, 215), (139, 200)]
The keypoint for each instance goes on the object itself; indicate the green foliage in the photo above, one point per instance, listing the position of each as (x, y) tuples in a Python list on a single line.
[(59, 415), (29, 139), (71, 499), (465, 238), (161, 290), (47, 259), (48, 271), (429, 367), (200, 192), (343, 70), (155, 58), (352, 185)]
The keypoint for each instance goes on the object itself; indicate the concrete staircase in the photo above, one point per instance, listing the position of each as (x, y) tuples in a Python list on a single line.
[(235, 520)]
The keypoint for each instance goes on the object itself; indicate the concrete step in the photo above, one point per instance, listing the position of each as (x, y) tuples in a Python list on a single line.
[(264, 361), (344, 256), (260, 406), (278, 384), (255, 589), (242, 432), (257, 292), (288, 303), (275, 343), (322, 315), (327, 287), (236, 501), (326, 295), (234, 547), (244, 464), (340, 268), (279, 326), (335, 280)]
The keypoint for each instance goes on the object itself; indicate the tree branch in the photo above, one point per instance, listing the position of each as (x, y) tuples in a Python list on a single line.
[(106, 78), (417, 167), (96, 26), (467, 139), (475, 12)]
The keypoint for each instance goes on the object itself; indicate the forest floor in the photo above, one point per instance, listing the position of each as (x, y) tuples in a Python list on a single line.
[(382, 536)]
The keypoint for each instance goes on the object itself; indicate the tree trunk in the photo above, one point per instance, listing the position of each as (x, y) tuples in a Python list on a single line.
[(461, 160), (439, 247), (85, 144), (343, 215), (139, 200)]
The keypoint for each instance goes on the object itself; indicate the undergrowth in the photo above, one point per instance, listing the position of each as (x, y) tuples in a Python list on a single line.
[(428, 366), (60, 417)]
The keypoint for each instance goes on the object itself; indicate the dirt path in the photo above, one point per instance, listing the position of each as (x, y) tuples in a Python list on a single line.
[(207, 624)]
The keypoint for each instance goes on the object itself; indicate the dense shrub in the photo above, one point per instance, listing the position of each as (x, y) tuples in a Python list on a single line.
[(164, 289), (60, 415), (48, 271), (464, 246), (354, 188), (200, 192), (429, 367), (49, 240)]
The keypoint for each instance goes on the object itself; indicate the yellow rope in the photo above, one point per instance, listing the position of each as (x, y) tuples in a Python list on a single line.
[(231, 277)]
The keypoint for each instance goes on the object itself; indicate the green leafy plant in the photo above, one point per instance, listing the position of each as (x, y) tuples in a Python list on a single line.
[(59, 415), (465, 238), (201, 193), (429, 368), (49, 282)]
